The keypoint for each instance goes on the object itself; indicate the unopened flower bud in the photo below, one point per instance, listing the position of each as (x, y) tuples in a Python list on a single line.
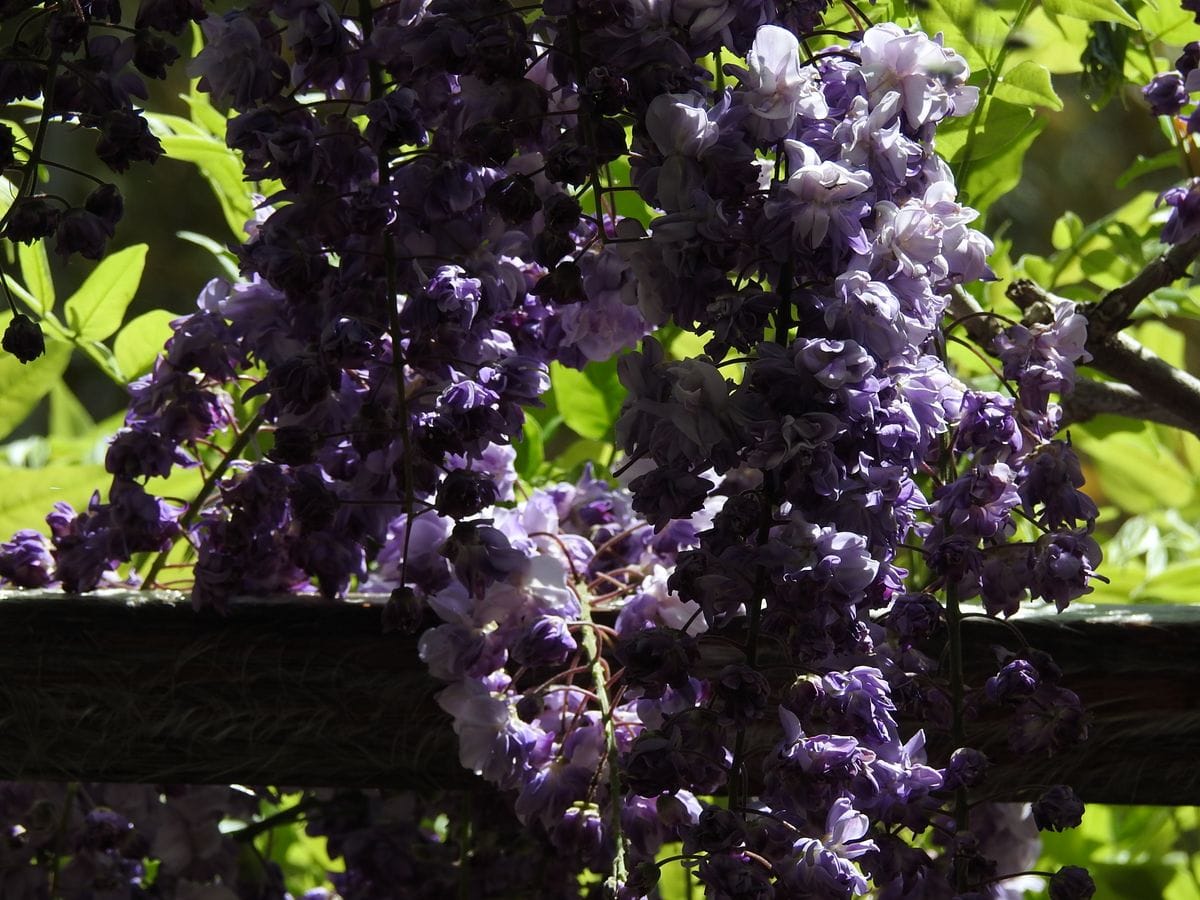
[(23, 339), (1072, 883)]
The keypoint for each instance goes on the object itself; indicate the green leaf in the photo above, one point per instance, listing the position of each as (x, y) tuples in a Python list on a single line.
[(531, 450), (225, 257), (95, 310), (30, 493), (1136, 471), (27, 383), (1144, 165), (139, 342), (35, 269), (1028, 83), (973, 29), (1067, 231), (68, 418), (588, 400), (1090, 11), (582, 451), (221, 168)]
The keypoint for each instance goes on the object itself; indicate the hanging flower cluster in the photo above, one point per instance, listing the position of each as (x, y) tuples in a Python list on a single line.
[(742, 620)]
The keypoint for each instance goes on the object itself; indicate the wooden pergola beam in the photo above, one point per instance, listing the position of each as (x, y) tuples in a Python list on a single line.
[(297, 691)]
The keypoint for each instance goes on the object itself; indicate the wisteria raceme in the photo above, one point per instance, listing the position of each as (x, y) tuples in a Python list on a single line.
[(445, 229)]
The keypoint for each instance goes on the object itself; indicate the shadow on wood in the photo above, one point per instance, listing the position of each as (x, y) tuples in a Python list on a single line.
[(298, 691)]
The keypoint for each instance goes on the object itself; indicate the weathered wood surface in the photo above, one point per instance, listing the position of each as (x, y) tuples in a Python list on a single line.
[(128, 687)]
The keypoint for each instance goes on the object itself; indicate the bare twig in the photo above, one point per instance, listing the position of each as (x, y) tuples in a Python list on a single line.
[(1143, 374), (1095, 398), (1115, 309)]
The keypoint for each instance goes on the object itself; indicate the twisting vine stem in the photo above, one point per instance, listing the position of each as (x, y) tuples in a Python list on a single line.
[(591, 647)]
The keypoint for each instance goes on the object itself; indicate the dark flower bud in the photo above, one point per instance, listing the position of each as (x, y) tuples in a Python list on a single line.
[(463, 493), (643, 879), (7, 142), (606, 91), (23, 338), (716, 830), (102, 829), (152, 55), (499, 49), (125, 138), (20, 77), (482, 555), (1057, 809), (803, 695), (395, 121), (545, 642), (294, 445), (348, 342), (608, 139), (137, 453), (741, 694), (656, 658), (966, 768), (549, 247), (25, 560), (563, 285), (562, 212), (514, 198), (1047, 668), (1166, 94), (1049, 720), (169, 15), (403, 612), (915, 617), (487, 144), (569, 162), (107, 10), (313, 503), (1189, 59), (1072, 883), (300, 383), (969, 857), (82, 232), (66, 30), (741, 516), (652, 766), (1018, 678), (106, 203), (690, 567), (663, 494), (31, 219), (529, 707)]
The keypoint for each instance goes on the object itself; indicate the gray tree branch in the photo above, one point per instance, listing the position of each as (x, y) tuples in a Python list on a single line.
[(1175, 393)]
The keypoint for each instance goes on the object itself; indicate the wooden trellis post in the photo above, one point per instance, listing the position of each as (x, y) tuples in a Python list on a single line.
[(297, 691)]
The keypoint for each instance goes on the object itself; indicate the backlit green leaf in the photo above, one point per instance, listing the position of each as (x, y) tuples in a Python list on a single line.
[(1028, 83), (139, 343), (96, 310), (27, 383)]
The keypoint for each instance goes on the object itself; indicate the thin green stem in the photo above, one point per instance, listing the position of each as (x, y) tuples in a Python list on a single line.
[(954, 619), (995, 70), (378, 87), (591, 646), (210, 483)]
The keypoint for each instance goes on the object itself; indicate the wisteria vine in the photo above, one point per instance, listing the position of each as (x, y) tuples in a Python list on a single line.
[(807, 506)]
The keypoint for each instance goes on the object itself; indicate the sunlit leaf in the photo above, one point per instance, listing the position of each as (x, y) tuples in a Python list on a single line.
[(141, 340), (1029, 83), (30, 493), (27, 383), (35, 270), (588, 400), (1091, 11), (96, 310)]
